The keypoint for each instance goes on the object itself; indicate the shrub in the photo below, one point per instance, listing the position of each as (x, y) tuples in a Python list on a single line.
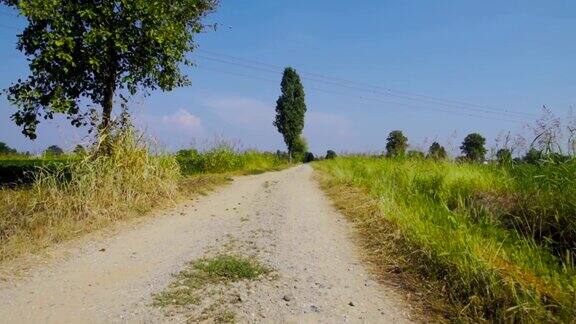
[(437, 152), (300, 146), (473, 147), (330, 155), (396, 144), (308, 157), (504, 156), (79, 150), (533, 156), (6, 150), (53, 150)]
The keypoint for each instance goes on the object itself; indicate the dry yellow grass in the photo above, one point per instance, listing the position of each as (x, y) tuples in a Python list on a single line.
[(92, 194)]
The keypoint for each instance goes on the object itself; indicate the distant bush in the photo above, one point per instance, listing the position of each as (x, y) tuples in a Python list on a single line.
[(437, 152), (473, 147), (6, 150), (330, 155), (79, 150), (53, 150), (396, 144), (533, 156), (504, 156), (300, 148), (308, 157)]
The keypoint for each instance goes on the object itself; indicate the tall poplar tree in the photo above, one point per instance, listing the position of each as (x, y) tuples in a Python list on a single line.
[(290, 109)]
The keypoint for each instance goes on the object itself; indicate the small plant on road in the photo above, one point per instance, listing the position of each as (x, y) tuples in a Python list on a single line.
[(200, 273), (189, 283)]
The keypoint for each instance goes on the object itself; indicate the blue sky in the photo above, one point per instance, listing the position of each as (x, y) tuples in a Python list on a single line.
[(435, 69)]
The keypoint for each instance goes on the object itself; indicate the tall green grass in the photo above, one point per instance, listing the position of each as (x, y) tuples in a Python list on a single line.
[(224, 158), (457, 223)]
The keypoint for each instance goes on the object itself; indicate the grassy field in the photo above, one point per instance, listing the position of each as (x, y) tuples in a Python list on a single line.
[(222, 158), (74, 196), (481, 241), (21, 170)]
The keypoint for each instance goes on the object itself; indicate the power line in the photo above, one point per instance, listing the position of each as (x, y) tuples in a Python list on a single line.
[(352, 88), (366, 87), (361, 97), (9, 27)]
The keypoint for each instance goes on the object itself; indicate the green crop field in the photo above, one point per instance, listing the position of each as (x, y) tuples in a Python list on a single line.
[(498, 241), (16, 171)]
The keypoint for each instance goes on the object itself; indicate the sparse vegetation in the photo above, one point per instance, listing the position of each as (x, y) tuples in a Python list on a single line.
[(510, 252), (188, 284)]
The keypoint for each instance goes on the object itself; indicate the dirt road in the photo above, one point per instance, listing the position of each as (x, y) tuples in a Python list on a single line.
[(280, 218)]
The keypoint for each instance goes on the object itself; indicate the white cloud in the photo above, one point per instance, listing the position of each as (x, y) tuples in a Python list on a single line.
[(243, 111), (173, 130), (323, 123), (184, 121)]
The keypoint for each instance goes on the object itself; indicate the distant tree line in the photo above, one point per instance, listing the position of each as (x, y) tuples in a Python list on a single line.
[(473, 149), (50, 151)]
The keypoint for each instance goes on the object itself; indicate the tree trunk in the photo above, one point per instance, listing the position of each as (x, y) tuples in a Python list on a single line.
[(110, 89), (107, 107), (108, 102)]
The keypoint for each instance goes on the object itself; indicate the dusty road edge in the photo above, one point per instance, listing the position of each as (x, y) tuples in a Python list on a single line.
[(382, 258)]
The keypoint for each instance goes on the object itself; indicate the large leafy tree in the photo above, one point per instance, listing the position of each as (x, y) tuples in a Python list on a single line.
[(396, 144), (290, 110), (86, 53), (473, 147)]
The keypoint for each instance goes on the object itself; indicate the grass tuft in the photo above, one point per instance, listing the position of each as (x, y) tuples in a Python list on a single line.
[(229, 268), (221, 269)]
